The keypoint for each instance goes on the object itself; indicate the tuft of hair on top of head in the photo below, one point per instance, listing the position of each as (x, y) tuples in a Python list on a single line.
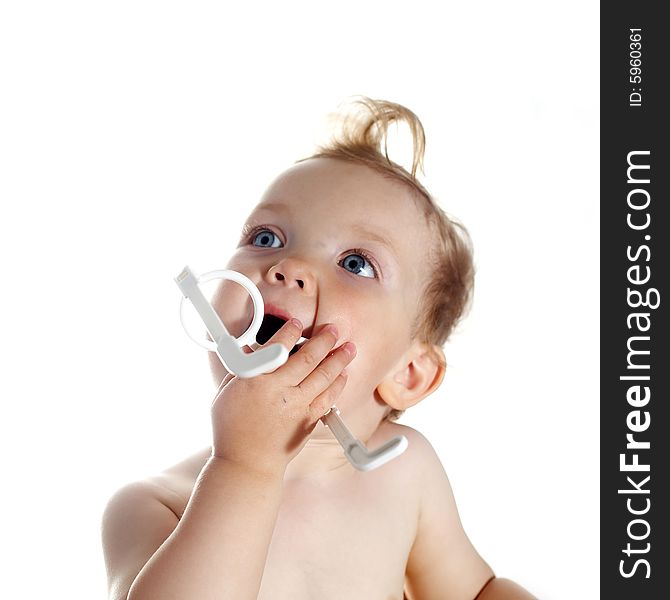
[(358, 136), (360, 129)]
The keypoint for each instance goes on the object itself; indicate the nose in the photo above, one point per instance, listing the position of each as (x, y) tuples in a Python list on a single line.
[(292, 272)]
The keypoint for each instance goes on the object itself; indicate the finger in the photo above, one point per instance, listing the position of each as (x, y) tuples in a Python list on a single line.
[(311, 353), (324, 401), (326, 372), (288, 334)]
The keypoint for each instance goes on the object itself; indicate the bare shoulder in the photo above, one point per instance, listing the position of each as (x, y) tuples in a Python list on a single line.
[(415, 473), (171, 487), (140, 516), (442, 563), (137, 519), (414, 437), (419, 461), (423, 468)]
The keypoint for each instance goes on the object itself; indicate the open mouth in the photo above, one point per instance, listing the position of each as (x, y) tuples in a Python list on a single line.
[(272, 324)]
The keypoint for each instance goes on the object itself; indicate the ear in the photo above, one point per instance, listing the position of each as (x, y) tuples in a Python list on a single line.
[(416, 375)]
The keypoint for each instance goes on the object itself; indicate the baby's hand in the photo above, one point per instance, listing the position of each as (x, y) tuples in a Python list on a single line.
[(263, 422)]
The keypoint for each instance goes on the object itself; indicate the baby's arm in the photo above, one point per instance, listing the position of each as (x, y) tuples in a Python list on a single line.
[(218, 549), (443, 563)]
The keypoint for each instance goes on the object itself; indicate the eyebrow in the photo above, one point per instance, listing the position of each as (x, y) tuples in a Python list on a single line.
[(375, 237), (278, 206)]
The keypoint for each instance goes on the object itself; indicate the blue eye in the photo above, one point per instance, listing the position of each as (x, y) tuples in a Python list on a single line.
[(266, 239), (358, 264)]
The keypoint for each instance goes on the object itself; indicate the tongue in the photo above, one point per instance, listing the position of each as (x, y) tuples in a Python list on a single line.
[(268, 328)]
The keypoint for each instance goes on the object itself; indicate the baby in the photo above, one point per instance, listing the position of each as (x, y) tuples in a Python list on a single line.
[(350, 251)]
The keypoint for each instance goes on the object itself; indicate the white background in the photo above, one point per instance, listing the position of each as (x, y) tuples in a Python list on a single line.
[(135, 137)]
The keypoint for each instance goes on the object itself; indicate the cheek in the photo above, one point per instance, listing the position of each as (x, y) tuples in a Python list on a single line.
[(381, 338)]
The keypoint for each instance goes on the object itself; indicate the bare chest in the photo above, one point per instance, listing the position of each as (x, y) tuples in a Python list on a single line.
[(346, 541), (335, 546)]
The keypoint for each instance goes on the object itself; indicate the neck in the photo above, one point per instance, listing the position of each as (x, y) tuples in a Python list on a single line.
[(321, 456)]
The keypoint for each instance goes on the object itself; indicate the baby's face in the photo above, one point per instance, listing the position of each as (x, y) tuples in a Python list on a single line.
[(334, 242)]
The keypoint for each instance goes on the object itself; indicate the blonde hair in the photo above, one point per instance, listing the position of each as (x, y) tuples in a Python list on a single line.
[(447, 293)]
